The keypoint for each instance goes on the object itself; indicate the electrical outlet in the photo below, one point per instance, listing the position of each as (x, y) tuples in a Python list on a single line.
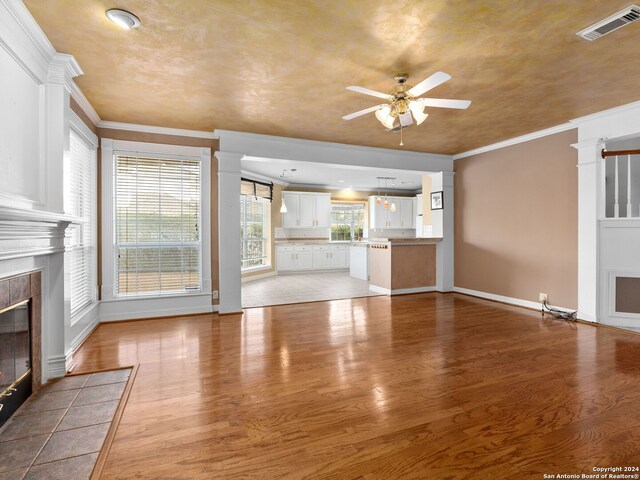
[(543, 297), (214, 294)]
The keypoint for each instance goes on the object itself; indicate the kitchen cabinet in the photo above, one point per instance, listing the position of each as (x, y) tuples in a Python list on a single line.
[(403, 217), (307, 210), (312, 257)]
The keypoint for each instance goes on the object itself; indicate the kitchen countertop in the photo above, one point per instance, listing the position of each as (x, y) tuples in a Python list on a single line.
[(406, 241)]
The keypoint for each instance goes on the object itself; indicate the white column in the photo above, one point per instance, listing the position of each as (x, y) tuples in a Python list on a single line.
[(443, 181), (229, 253), (62, 69), (590, 209)]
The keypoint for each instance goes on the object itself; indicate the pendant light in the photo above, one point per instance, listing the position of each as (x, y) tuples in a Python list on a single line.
[(283, 206), (386, 196), (379, 199), (393, 203)]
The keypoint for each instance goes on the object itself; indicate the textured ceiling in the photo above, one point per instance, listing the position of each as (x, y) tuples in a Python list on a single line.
[(281, 67)]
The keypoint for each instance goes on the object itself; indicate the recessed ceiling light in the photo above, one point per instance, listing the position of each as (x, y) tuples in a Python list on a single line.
[(122, 18), (341, 181)]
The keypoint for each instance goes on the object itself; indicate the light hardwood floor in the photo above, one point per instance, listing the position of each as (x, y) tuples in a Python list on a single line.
[(420, 386)]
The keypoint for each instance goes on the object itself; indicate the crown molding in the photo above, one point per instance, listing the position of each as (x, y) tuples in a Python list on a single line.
[(605, 113), (516, 140), (132, 127), (84, 103)]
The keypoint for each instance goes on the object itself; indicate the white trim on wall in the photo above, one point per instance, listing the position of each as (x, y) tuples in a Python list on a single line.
[(504, 299), (132, 127), (516, 140), (123, 308)]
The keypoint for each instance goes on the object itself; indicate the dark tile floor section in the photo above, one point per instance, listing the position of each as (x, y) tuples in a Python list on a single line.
[(58, 432)]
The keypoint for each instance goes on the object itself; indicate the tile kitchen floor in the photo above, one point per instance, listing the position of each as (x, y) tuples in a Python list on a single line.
[(303, 287)]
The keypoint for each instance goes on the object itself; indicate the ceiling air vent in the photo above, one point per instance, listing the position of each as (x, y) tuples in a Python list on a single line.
[(609, 24)]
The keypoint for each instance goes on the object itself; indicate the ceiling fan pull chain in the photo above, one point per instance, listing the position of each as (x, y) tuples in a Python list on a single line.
[(401, 143)]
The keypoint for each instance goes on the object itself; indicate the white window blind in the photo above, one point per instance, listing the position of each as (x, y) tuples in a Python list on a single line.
[(157, 225), (79, 188)]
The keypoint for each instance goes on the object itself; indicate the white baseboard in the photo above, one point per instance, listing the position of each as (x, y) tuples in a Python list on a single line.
[(56, 366), (510, 300), (165, 312), (400, 291), (251, 278)]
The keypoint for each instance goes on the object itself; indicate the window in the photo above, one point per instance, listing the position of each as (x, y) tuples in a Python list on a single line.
[(254, 224), (157, 225), (347, 221), (79, 189)]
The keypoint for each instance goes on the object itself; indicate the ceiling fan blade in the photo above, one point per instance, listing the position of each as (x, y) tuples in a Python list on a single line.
[(351, 116), (433, 81), (445, 103), (368, 91)]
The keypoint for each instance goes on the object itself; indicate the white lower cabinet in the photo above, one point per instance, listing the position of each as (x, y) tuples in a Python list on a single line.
[(312, 257)]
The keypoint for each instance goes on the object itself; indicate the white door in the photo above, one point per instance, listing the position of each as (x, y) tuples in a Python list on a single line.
[(338, 259), (291, 219), (307, 210), (304, 260), (407, 216), (285, 261), (393, 218), (320, 260), (323, 211), (378, 215)]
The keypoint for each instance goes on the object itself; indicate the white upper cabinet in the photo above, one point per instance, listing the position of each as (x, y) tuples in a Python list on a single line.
[(307, 210), (291, 219), (403, 217)]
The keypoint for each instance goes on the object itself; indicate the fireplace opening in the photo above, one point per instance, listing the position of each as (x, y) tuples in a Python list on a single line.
[(15, 358)]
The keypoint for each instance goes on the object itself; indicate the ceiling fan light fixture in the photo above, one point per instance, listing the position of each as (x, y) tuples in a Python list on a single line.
[(417, 109), (123, 19), (384, 116)]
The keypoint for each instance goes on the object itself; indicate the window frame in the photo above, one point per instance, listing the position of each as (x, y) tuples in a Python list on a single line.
[(266, 231), (78, 127), (110, 150), (352, 224)]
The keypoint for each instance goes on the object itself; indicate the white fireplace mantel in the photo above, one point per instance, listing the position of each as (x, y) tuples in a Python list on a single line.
[(29, 233)]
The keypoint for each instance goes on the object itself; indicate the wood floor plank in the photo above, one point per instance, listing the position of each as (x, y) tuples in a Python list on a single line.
[(416, 386)]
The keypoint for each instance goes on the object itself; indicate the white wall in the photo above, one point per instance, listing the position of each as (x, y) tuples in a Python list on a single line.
[(35, 84)]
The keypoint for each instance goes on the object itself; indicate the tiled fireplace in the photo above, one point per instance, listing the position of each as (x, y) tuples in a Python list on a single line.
[(20, 340)]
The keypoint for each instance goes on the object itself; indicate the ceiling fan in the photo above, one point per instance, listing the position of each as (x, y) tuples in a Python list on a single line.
[(404, 105)]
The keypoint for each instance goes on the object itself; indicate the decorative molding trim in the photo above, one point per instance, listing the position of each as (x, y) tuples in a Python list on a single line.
[(516, 140), (84, 103), (604, 113), (62, 69), (509, 300), (163, 312), (132, 127), (56, 366), (124, 146), (78, 125)]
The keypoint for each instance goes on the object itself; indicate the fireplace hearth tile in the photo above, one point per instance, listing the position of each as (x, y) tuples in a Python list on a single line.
[(76, 468), (103, 378), (13, 475), (23, 426), (20, 453), (67, 383), (87, 415), (45, 401), (101, 393), (72, 443), (5, 295)]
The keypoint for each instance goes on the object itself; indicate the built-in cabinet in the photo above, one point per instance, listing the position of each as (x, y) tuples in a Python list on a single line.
[(312, 257), (403, 217), (306, 210)]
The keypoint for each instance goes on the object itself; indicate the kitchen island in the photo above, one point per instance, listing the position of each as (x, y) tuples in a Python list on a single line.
[(402, 265)]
